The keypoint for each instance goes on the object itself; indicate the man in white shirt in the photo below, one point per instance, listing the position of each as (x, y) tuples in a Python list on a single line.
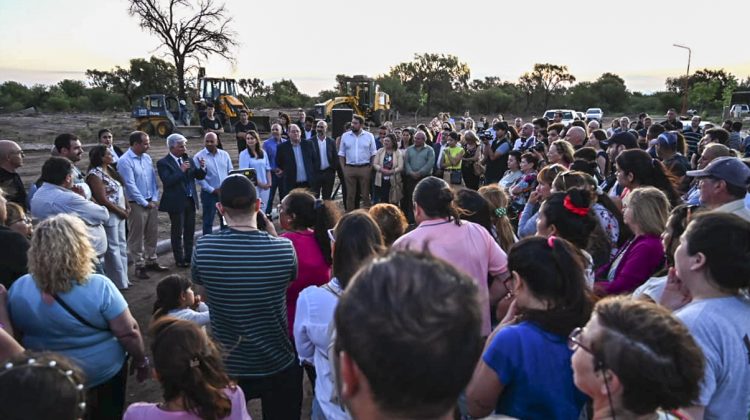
[(218, 164), (356, 152)]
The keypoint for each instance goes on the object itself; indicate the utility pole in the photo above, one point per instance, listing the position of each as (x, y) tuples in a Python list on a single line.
[(687, 78)]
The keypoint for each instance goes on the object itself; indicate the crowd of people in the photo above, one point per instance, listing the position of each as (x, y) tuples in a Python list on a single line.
[(472, 268)]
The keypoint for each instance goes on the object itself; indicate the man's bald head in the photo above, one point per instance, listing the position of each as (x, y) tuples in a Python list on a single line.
[(211, 136), (11, 155), (576, 136), (7, 146)]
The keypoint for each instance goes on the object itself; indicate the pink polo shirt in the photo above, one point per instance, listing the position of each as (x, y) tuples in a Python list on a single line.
[(468, 247)]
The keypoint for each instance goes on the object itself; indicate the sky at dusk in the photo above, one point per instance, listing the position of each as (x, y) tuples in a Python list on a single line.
[(44, 41)]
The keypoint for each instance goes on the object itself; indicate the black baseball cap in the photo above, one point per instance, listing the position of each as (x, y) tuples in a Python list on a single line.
[(624, 138)]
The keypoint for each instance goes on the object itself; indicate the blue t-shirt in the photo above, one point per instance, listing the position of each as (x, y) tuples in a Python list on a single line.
[(47, 326), (534, 367)]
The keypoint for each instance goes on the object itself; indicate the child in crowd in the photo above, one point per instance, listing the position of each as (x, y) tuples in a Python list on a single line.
[(175, 297), (191, 373), (41, 386)]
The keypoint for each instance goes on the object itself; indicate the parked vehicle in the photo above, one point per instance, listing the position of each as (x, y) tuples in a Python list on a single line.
[(594, 114), (568, 115), (739, 110)]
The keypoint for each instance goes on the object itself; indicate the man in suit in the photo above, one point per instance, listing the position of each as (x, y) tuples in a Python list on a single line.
[(297, 161), (178, 173), (325, 171)]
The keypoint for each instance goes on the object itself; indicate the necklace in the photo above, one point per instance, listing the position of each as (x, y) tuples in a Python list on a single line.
[(433, 224)]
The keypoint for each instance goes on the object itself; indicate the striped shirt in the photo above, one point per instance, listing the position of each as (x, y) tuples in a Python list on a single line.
[(245, 276)]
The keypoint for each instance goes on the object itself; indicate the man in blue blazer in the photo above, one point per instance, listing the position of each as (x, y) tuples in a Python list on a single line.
[(178, 173), (297, 160)]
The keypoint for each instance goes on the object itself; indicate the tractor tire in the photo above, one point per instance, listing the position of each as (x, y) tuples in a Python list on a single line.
[(147, 128), (164, 129), (378, 117)]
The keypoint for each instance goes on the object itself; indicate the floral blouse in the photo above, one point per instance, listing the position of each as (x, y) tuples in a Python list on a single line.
[(610, 225), (112, 188), (523, 188)]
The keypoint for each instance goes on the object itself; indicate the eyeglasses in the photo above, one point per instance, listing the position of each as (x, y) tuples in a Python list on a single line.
[(18, 152), (574, 341), (25, 220), (331, 235)]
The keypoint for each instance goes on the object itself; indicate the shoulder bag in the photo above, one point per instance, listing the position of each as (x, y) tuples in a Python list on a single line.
[(75, 314)]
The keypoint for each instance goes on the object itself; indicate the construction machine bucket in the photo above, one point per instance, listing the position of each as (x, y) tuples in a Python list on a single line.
[(262, 122), (190, 131)]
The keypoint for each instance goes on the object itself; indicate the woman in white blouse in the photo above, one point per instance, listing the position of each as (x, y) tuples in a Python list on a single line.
[(355, 240), (254, 157)]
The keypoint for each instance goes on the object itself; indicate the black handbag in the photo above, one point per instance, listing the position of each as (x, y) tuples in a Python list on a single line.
[(456, 177)]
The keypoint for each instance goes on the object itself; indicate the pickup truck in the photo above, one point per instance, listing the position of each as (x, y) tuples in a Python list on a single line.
[(594, 114), (739, 110)]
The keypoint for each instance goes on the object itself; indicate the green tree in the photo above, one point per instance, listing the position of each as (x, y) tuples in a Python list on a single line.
[(154, 76), (610, 92), (143, 77), (431, 75), (491, 101), (583, 95), (72, 88), (189, 31), (284, 93), (325, 95), (402, 99), (254, 88), (548, 78), (722, 78), (14, 96), (487, 83)]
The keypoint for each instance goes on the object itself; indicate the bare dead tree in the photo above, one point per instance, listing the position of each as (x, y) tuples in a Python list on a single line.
[(188, 32)]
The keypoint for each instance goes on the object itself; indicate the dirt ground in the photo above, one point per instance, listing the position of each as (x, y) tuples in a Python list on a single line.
[(35, 134)]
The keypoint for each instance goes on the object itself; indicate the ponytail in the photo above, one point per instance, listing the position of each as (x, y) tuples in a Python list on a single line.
[(436, 198), (552, 269), (312, 213), (665, 181), (326, 217), (202, 398), (499, 204)]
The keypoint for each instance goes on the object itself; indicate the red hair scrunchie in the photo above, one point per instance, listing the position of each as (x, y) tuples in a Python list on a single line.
[(581, 211)]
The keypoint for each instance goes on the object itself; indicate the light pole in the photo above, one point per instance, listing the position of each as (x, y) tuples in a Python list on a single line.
[(687, 77)]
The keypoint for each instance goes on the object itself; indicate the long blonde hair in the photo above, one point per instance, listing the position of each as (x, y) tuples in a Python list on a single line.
[(499, 204), (61, 253)]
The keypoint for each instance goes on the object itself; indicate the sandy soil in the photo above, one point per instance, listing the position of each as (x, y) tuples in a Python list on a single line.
[(35, 134)]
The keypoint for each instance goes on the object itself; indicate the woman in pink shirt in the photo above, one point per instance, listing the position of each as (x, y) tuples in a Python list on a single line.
[(306, 222), (189, 368), (466, 245)]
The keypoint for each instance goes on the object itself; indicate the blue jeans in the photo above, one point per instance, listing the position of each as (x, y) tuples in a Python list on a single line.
[(208, 201)]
